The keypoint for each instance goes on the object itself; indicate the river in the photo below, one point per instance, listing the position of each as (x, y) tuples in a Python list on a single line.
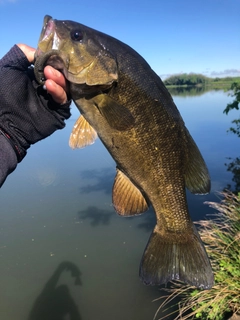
[(64, 252)]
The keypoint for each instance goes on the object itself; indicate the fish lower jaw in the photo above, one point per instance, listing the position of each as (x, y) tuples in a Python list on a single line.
[(52, 58)]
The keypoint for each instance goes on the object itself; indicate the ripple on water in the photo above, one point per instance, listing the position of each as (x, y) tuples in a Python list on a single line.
[(45, 176)]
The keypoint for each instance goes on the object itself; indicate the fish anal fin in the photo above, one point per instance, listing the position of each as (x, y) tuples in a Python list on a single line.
[(197, 178), (176, 257), (117, 115), (82, 134), (127, 198)]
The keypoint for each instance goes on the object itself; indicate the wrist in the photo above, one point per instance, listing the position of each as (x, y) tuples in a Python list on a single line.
[(8, 159)]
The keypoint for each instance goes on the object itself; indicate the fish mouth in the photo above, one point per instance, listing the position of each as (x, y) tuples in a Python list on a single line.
[(85, 64), (47, 52), (54, 58)]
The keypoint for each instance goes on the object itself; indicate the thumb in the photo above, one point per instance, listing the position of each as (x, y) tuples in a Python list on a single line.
[(28, 51)]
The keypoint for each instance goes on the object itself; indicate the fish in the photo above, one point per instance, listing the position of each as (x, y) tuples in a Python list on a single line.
[(125, 103)]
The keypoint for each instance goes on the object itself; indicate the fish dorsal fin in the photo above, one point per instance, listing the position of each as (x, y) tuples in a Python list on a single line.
[(82, 134), (197, 178), (127, 198), (117, 115)]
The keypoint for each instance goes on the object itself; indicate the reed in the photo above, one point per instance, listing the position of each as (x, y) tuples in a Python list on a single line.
[(221, 235)]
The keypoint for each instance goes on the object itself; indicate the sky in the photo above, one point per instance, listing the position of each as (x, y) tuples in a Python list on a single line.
[(199, 36)]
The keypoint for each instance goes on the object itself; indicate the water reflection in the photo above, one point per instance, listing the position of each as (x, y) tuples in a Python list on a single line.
[(190, 91), (55, 301), (62, 199), (96, 216), (45, 176), (187, 91), (102, 180), (148, 222)]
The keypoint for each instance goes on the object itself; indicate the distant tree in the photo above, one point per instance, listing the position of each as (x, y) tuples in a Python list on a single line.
[(234, 105), (185, 79)]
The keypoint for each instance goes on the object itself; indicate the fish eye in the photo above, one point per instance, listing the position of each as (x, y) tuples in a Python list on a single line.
[(77, 35)]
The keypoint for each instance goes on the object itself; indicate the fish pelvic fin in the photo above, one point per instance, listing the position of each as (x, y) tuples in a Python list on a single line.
[(176, 257), (82, 134), (127, 198), (197, 178)]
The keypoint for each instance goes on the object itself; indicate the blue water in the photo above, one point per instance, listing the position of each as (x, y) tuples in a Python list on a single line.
[(57, 217)]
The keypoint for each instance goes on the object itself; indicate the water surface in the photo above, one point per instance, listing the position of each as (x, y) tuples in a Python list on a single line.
[(57, 218)]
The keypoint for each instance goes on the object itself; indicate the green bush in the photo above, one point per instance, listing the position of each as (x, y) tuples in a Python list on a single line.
[(234, 105)]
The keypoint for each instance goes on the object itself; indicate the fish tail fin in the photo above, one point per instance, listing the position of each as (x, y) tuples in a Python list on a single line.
[(170, 256)]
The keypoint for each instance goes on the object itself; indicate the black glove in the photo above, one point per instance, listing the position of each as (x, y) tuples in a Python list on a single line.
[(27, 112)]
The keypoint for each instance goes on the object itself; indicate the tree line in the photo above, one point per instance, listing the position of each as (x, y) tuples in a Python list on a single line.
[(195, 79)]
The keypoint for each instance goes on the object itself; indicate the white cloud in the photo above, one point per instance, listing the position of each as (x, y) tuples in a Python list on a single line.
[(227, 72), (208, 73)]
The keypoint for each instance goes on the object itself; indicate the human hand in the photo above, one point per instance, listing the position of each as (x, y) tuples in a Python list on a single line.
[(28, 112), (55, 83)]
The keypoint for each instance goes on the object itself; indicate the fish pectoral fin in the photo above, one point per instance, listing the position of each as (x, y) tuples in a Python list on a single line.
[(176, 256), (197, 178), (117, 115), (82, 134), (127, 198)]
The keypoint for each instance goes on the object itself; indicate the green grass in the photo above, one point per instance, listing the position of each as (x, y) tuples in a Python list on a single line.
[(222, 238)]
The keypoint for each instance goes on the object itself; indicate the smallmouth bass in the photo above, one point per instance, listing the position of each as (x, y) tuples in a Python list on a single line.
[(124, 102)]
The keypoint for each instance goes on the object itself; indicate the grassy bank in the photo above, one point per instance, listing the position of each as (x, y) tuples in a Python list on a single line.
[(222, 238)]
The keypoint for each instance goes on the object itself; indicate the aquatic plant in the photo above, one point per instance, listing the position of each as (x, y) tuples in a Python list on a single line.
[(222, 238)]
